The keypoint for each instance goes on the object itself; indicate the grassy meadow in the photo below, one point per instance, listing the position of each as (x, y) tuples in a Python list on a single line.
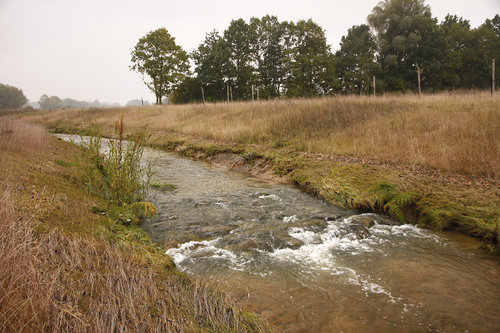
[(432, 160), (66, 266)]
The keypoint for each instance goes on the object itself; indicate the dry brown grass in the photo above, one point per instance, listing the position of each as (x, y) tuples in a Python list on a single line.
[(16, 135), (455, 133), (64, 269), (56, 283)]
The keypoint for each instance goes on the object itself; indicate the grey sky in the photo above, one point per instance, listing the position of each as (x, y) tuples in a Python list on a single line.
[(81, 49)]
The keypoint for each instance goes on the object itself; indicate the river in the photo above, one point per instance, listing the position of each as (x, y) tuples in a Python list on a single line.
[(307, 266)]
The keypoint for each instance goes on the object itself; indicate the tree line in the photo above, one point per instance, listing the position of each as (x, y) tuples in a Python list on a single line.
[(401, 45)]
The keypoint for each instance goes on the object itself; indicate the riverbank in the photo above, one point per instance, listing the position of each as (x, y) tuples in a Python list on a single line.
[(67, 266), (432, 161)]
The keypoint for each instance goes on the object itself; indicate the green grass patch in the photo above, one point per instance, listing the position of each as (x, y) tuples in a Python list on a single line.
[(162, 186)]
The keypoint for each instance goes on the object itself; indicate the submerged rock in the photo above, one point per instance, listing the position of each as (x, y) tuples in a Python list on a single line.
[(359, 230), (367, 221)]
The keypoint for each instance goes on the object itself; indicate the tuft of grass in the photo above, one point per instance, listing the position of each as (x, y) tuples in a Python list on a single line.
[(63, 163), (162, 186), (18, 136)]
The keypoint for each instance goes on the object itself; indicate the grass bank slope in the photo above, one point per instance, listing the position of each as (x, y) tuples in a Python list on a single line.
[(65, 268)]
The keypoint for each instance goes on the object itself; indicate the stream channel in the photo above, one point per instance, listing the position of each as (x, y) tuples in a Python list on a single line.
[(308, 266)]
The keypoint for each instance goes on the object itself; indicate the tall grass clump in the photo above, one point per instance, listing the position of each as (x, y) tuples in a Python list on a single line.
[(116, 171), (16, 136)]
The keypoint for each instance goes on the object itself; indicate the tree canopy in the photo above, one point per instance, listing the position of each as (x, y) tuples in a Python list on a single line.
[(402, 45), (162, 63), (11, 97)]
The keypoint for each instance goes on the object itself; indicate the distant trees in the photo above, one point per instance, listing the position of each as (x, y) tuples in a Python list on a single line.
[(53, 102), (402, 45), (11, 97), (137, 102), (162, 63)]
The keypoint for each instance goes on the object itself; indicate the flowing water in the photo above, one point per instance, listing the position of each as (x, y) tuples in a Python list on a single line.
[(307, 266)]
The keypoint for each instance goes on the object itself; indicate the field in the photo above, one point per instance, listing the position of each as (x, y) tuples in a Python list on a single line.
[(446, 132)]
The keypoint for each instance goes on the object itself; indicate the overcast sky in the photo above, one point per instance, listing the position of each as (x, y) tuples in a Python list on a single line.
[(81, 49)]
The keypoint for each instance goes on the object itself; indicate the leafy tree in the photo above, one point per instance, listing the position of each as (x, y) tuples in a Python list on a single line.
[(11, 97), (310, 63), (408, 41), (187, 91), (355, 61), (51, 103), (457, 34), (212, 65), (240, 70), (162, 63), (269, 47)]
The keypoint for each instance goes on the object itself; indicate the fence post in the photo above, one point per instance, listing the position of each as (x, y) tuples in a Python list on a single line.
[(493, 77), (374, 87)]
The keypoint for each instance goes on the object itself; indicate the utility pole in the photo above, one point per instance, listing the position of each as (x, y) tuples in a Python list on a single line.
[(493, 77), (203, 95)]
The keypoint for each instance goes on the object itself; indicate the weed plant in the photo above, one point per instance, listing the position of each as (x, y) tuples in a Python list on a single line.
[(117, 174)]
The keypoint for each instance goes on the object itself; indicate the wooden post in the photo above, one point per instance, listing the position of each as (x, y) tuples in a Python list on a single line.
[(231, 90), (203, 95), (257, 94), (253, 93), (493, 77), (374, 87), (419, 72), (227, 93)]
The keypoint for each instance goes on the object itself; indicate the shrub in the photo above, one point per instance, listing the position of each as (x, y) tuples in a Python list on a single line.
[(117, 174)]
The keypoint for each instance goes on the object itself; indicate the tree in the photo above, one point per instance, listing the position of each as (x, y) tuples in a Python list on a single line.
[(457, 34), (240, 70), (483, 46), (187, 91), (162, 63), (51, 103), (269, 47), (408, 43), (11, 97), (212, 65), (355, 61), (310, 63)]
